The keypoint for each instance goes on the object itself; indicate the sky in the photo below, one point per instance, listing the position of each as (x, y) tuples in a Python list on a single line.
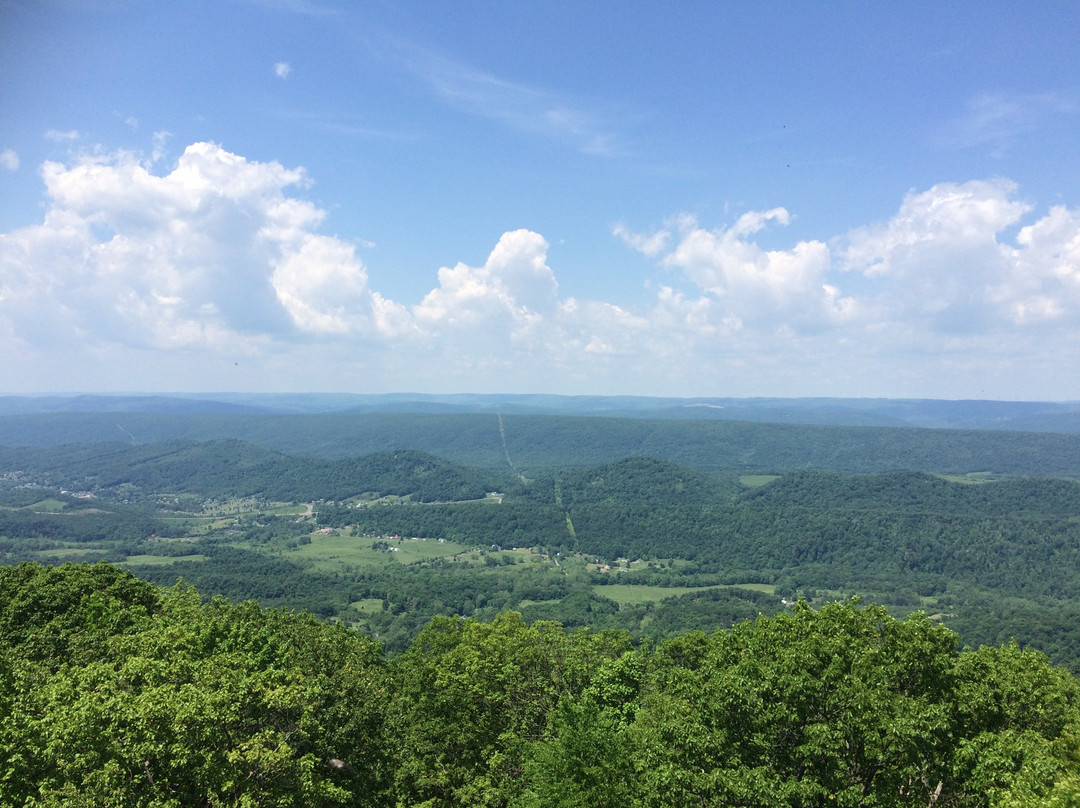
[(620, 197)]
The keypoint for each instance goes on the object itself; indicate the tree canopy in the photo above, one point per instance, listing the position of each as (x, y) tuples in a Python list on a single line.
[(116, 692)]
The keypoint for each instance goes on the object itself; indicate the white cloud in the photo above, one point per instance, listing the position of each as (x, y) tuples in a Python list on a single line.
[(219, 257), (61, 137), (282, 70), (748, 284), (936, 289), (323, 287), (649, 245), (9, 160), (212, 254), (946, 219), (514, 289), (1045, 282), (945, 268)]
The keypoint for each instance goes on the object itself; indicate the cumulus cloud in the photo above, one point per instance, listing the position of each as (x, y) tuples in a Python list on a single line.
[(942, 265), (217, 256), (1045, 282), (726, 263), (745, 282), (282, 70), (514, 288), (946, 219), (211, 254), (937, 285), (9, 160)]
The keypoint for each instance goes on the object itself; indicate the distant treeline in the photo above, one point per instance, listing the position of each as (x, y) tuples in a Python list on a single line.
[(535, 443)]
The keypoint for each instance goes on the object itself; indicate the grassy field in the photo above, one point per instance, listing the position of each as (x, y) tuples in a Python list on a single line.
[(160, 561), (527, 602), (368, 605), (330, 551), (971, 478), (64, 552), (47, 506), (637, 595), (286, 509), (757, 480), (192, 522)]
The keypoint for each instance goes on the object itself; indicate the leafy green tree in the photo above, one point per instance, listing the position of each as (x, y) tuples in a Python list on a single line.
[(844, 706), (1018, 719), (471, 697), (52, 614), (583, 764), (199, 704)]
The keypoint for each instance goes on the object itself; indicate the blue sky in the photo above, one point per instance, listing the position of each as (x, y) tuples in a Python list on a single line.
[(688, 199)]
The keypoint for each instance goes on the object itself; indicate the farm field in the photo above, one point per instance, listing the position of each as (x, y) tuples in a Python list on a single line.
[(68, 553), (162, 561), (630, 595), (332, 552)]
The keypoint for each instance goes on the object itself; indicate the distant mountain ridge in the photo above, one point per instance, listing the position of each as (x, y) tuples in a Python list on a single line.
[(1024, 416), (532, 443)]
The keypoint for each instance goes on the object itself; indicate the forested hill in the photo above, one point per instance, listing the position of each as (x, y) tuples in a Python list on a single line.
[(917, 492), (231, 468), (533, 443)]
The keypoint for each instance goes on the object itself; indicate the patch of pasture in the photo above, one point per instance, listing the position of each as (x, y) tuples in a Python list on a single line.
[(66, 552), (286, 509), (330, 551), (553, 602), (368, 605), (768, 589), (47, 506), (193, 521), (159, 561), (640, 594), (971, 478), (757, 480)]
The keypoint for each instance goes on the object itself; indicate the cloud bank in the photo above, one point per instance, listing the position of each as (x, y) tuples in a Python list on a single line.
[(139, 278)]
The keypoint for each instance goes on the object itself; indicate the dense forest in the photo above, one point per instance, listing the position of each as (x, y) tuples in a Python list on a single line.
[(116, 692), (532, 443)]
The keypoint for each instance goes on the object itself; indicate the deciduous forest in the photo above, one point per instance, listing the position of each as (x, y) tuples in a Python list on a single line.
[(116, 692)]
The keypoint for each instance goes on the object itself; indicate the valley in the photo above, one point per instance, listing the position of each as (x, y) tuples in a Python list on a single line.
[(386, 541)]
